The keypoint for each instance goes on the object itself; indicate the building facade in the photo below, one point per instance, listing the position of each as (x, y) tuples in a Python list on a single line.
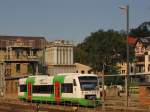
[(84, 69), (122, 67), (21, 56), (140, 49), (59, 57), (147, 61)]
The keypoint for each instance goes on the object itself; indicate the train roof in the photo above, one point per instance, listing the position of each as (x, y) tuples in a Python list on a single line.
[(46, 78), (60, 74), (75, 74), (64, 74)]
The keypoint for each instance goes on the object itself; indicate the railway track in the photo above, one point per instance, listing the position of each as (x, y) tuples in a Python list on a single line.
[(111, 105), (20, 106), (119, 104)]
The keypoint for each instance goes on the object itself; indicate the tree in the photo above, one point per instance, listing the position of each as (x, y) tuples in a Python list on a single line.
[(142, 30), (102, 47)]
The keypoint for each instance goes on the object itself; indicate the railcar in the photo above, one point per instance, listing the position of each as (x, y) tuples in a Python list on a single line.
[(74, 88)]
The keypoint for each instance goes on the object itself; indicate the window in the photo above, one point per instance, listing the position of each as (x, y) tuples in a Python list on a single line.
[(82, 71), (8, 72), (148, 67), (74, 82), (146, 53), (123, 71), (34, 52), (132, 69), (17, 53), (67, 88), (148, 90), (28, 52), (17, 67), (88, 82), (89, 71), (148, 57), (23, 88), (43, 89)]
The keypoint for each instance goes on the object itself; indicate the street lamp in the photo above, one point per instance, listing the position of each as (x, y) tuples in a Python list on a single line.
[(126, 9), (103, 90)]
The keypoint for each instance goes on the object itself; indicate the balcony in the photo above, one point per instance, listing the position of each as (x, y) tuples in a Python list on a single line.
[(27, 58), (21, 44)]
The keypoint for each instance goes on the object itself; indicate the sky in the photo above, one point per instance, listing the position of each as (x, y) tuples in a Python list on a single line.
[(71, 20)]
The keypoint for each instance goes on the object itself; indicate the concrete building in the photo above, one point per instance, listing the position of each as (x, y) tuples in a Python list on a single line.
[(59, 57)]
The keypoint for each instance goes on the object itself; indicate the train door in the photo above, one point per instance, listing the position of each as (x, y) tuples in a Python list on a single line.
[(57, 91), (75, 91), (29, 91)]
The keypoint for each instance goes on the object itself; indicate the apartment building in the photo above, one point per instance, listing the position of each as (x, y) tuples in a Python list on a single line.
[(21, 55)]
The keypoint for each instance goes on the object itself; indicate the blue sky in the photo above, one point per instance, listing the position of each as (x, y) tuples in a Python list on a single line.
[(71, 20)]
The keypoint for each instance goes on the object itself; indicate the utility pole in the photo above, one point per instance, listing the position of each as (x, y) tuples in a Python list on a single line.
[(103, 89), (126, 8)]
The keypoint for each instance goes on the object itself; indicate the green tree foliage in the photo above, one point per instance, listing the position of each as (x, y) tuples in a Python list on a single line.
[(102, 47), (141, 31), (114, 80)]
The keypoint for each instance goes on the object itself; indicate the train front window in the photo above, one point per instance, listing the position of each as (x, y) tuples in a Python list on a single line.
[(23, 88), (88, 82)]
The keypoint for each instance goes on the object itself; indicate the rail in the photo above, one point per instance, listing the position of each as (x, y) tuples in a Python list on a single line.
[(110, 105)]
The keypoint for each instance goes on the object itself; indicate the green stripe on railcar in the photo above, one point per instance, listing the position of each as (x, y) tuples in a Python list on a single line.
[(29, 80), (59, 78), (21, 97), (82, 101), (52, 96)]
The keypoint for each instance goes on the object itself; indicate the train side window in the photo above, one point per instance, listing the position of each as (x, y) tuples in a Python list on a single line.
[(51, 90), (23, 88), (74, 82), (48, 89), (67, 88)]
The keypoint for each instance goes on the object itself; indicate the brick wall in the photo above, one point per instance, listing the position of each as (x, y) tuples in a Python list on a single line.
[(144, 97)]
